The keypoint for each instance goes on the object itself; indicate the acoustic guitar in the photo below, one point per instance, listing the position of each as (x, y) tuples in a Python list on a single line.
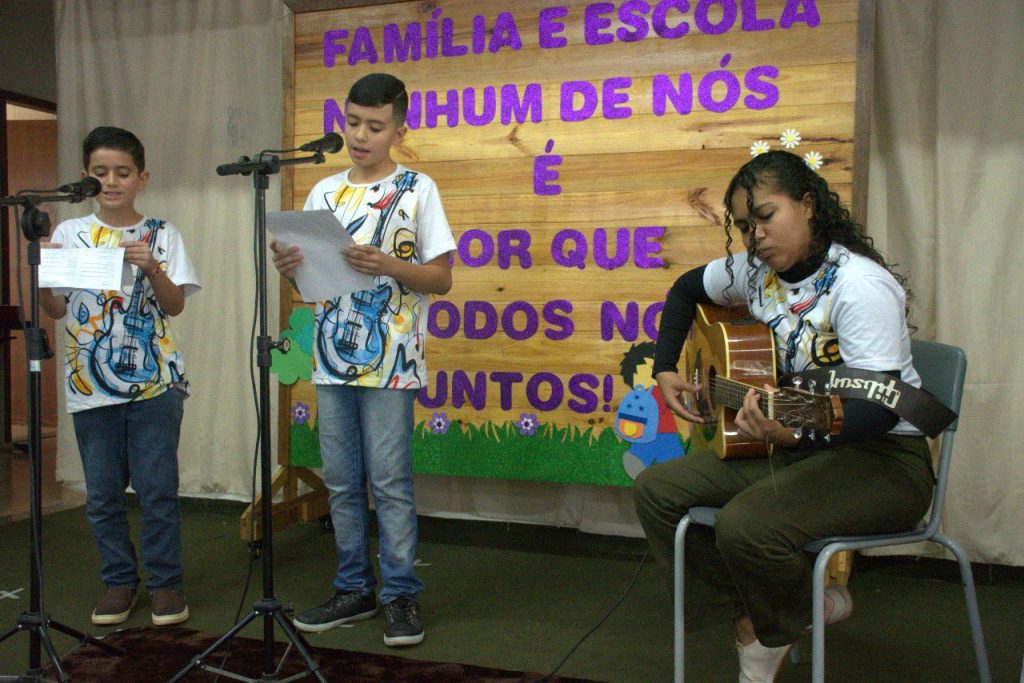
[(728, 353)]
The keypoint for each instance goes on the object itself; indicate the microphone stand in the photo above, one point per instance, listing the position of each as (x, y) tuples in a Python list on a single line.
[(269, 607), (36, 224)]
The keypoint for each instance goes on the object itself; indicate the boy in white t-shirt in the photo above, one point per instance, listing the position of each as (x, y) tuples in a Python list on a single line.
[(368, 359), (125, 381)]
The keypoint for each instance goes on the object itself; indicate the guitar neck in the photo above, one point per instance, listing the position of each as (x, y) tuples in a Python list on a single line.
[(135, 303), (789, 406)]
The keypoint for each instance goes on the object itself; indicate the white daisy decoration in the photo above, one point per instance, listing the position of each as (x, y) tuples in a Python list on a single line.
[(759, 147), (790, 138), (813, 160)]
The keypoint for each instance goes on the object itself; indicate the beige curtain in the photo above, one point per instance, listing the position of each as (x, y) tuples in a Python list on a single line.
[(200, 81), (945, 199)]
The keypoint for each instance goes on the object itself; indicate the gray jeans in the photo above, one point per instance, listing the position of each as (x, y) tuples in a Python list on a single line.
[(753, 559)]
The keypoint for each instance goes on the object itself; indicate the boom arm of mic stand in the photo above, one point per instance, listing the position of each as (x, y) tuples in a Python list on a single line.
[(315, 158), (28, 201), (265, 164), (246, 166)]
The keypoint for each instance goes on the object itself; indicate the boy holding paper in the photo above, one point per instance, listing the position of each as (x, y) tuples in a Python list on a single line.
[(125, 381), (368, 362)]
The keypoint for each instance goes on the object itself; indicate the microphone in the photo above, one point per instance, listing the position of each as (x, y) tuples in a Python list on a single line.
[(86, 187), (328, 144)]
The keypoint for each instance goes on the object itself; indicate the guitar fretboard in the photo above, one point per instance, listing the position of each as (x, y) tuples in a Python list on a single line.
[(785, 406), (730, 393)]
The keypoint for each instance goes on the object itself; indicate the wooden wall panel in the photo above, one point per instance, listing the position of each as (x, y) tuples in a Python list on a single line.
[(616, 170)]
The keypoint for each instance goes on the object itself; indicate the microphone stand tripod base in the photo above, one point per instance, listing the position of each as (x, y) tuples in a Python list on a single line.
[(271, 611), (37, 625)]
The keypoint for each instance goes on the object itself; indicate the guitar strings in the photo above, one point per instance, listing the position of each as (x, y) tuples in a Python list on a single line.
[(726, 391)]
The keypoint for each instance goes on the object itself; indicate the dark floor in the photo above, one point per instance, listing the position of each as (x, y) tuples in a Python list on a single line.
[(520, 597)]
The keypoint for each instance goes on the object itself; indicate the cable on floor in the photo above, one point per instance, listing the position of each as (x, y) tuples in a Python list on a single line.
[(603, 619)]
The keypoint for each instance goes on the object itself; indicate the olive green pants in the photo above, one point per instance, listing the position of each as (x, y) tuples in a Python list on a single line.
[(771, 508)]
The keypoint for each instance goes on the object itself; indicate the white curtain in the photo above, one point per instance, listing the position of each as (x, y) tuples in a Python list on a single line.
[(200, 82)]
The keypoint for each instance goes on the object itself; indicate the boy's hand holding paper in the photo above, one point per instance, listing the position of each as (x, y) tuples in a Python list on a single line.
[(321, 273)]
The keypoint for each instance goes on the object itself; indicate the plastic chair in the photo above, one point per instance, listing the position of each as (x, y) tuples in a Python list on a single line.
[(942, 369)]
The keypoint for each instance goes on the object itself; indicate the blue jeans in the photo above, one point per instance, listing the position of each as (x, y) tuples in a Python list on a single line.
[(365, 435), (134, 443)]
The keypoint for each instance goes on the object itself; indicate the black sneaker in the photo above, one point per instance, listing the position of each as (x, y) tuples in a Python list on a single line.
[(344, 607), (403, 625)]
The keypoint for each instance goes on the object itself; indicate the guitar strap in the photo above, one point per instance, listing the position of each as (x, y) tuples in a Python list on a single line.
[(914, 405)]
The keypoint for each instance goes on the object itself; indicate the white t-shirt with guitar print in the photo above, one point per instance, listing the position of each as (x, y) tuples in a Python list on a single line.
[(119, 346), (849, 312), (376, 337)]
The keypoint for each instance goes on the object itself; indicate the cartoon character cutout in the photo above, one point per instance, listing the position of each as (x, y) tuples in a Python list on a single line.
[(642, 418)]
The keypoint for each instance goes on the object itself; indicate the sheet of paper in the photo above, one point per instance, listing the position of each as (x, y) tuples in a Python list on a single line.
[(81, 268), (324, 274)]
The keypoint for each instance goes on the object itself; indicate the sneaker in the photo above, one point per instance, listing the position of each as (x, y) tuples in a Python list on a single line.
[(842, 604), (343, 608), (403, 625), (115, 606), (169, 606)]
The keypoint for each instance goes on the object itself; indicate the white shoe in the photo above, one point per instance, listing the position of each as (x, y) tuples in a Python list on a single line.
[(759, 664), (842, 604)]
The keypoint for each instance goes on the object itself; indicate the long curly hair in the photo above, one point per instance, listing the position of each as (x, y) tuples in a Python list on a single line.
[(786, 173)]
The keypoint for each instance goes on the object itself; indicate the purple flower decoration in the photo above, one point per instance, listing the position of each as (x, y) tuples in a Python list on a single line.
[(527, 424), (300, 413), (439, 423)]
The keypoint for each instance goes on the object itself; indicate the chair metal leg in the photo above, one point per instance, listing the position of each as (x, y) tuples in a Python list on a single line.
[(818, 615), (677, 598), (973, 615)]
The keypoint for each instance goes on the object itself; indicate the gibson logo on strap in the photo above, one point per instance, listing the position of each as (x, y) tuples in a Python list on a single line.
[(886, 394)]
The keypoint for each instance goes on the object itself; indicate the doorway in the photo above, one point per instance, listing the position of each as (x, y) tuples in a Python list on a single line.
[(28, 160)]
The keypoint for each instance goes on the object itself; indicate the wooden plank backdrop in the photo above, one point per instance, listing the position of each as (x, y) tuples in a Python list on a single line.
[(625, 122)]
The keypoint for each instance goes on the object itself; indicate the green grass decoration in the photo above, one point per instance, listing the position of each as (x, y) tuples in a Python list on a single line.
[(557, 454)]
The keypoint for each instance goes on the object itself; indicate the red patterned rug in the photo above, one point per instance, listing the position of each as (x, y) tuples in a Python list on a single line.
[(152, 655)]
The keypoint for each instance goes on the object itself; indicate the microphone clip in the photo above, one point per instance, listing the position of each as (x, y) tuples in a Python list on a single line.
[(35, 224)]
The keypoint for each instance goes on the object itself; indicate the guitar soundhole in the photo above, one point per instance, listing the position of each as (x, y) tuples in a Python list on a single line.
[(700, 402)]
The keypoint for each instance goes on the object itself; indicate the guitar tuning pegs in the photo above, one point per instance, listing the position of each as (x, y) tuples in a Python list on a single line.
[(828, 438), (827, 387), (812, 435), (810, 385), (797, 381)]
